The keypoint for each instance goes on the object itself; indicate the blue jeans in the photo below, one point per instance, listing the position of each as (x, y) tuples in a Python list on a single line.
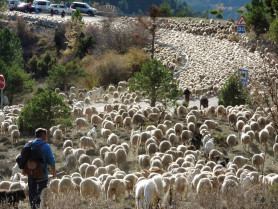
[(35, 189)]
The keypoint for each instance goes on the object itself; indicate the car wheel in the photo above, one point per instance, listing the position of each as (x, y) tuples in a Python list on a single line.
[(90, 13), (56, 12)]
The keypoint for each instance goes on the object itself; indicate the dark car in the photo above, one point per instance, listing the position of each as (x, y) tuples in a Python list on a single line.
[(23, 7)]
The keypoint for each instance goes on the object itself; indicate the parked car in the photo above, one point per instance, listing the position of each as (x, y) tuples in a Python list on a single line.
[(84, 8), (59, 8), (41, 5), (23, 7), (13, 4)]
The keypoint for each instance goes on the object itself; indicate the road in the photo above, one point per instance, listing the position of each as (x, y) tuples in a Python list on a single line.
[(86, 18)]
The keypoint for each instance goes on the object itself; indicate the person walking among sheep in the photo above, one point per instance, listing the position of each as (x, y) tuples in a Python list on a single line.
[(187, 96), (38, 177)]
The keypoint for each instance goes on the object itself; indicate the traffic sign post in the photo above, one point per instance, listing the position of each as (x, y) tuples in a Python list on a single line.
[(241, 21), (2, 86), (243, 76), (240, 29)]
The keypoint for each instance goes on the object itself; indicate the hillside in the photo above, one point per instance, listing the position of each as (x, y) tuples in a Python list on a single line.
[(229, 6)]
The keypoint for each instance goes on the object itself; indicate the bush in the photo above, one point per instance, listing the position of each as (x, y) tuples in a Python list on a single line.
[(156, 83), (274, 30), (111, 67), (233, 93), (44, 110)]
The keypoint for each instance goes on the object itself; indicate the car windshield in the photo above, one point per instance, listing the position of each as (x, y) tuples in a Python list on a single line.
[(87, 6)]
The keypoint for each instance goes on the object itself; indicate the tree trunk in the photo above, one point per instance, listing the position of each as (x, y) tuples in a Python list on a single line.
[(153, 101)]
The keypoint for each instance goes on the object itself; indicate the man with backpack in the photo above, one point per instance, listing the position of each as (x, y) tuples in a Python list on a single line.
[(39, 157)]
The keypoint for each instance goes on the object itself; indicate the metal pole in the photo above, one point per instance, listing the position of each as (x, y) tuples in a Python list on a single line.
[(1, 98)]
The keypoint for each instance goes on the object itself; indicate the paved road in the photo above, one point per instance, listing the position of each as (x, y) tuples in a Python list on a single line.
[(86, 18)]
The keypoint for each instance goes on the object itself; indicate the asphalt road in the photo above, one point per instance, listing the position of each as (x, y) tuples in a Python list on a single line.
[(86, 18)]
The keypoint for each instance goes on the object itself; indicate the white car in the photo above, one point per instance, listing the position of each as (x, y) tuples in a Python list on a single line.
[(41, 5), (59, 8)]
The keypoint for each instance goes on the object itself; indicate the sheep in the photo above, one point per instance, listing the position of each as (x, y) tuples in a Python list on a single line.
[(151, 149), (58, 134), (204, 188), (11, 197), (138, 119), (258, 161), (67, 151), (263, 137), (116, 187), (66, 185), (5, 185), (220, 111), (109, 125), (139, 193), (11, 128), (67, 143), (110, 158), (229, 190), (182, 111), (164, 146), (53, 185), (121, 157), (215, 153), (130, 180), (167, 159), (231, 141), (240, 161), (186, 135), (100, 171), (208, 147), (93, 133), (96, 120), (105, 133), (144, 161), (86, 141), (157, 133), (232, 118), (90, 189), (84, 159), (71, 162), (112, 139), (127, 122), (4, 127), (90, 171), (80, 123), (15, 134), (245, 140), (98, 162)]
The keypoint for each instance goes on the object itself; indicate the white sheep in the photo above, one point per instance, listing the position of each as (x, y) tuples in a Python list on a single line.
[(113, 139), (67, 143), (71, 162), (263, 137), (231, 141), (90, 189), (116, 188), (15, 134), (81, 123), (240, 161), (66, 185), (258, 161)]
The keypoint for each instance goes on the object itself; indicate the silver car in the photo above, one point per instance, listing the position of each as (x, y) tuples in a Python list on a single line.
[(84, 8), (59, 8)]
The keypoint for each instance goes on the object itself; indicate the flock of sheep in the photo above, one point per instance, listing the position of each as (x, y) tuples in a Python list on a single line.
[(171, 160), (176, 154)]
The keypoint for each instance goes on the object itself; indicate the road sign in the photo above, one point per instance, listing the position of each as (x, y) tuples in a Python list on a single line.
[(241, 21), (2, 82), (240, 29), (243, 76)]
